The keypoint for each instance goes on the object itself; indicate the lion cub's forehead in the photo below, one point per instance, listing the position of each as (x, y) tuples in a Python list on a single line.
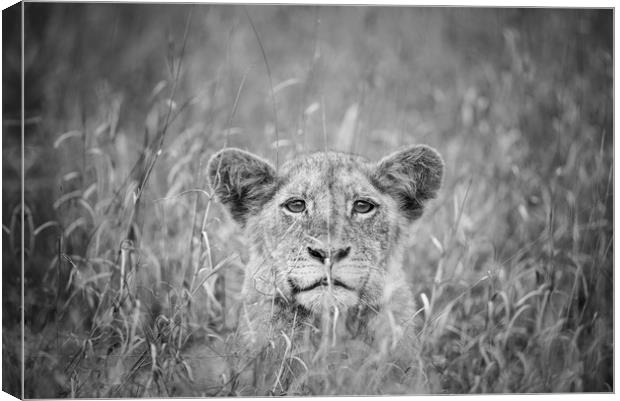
[(327, 170)]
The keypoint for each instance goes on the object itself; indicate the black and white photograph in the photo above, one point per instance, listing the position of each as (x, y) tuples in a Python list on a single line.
[(221, 200)]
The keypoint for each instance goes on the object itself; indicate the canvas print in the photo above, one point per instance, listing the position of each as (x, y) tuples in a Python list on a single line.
[(208, 200)]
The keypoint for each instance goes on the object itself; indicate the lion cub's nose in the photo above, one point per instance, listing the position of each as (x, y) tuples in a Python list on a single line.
[(334, 255)]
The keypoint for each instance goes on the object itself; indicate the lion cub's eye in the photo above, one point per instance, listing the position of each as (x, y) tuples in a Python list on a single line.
[(295, 205), (360, 206)]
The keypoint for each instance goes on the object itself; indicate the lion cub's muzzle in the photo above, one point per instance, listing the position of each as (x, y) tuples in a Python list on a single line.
[(328, 258)]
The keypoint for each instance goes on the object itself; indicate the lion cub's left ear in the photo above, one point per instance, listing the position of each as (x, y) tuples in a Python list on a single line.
[(242, 181), (412, 176)]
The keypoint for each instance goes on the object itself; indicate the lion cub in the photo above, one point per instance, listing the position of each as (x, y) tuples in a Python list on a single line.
[(326, 237)]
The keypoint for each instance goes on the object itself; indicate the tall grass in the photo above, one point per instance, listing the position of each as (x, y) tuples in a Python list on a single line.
[(133, 271)]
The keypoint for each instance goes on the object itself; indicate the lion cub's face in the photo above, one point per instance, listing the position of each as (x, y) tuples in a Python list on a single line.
[(325, 230)]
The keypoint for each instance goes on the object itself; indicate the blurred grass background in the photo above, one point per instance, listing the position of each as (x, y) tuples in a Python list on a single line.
[(512, 264)]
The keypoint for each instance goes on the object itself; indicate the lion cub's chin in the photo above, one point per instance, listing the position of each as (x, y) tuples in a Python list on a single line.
[(322, 298)]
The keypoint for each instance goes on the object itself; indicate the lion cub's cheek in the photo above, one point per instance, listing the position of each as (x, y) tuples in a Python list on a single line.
[(269, 227)]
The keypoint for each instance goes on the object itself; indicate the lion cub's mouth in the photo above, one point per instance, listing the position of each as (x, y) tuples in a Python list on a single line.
[(320, 283)]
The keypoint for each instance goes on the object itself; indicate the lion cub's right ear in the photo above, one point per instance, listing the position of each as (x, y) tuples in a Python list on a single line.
[(242, 181)]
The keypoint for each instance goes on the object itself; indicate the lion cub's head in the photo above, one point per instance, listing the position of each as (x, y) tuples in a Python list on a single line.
[(325, 230)]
